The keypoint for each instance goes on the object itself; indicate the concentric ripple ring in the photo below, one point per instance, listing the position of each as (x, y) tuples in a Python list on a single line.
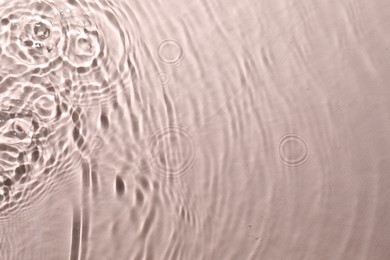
[(172, 151), (293, 150), (31, 32)]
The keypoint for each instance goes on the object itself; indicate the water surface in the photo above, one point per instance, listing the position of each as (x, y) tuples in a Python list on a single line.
[(194, 130)]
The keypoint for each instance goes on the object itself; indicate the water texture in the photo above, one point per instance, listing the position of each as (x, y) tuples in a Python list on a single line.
[(185, 130)]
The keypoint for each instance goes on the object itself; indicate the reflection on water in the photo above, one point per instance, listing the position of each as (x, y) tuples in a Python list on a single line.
[(194, 130)]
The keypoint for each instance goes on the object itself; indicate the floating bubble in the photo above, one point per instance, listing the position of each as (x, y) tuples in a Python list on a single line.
[(170, 52), (293, 150), (163, 77)]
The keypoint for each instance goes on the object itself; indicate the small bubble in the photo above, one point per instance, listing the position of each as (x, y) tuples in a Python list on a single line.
[(170, 52), (163, 77)]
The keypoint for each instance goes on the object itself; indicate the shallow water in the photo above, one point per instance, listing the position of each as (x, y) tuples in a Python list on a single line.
[(194, 130)]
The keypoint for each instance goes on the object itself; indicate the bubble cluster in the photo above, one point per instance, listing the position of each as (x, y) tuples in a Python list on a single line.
[(36, 33), (31, 33), (34, 115), (56, 67)]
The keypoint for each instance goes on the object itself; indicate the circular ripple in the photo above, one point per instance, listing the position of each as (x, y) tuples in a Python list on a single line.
[(31, 31), (84, 42), (170, 52), (33, 146), (16, 124), (172, 151), (21, 150), (293, 150)]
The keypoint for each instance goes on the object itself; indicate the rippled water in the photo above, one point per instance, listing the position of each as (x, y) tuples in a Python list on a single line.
[(194, 130)]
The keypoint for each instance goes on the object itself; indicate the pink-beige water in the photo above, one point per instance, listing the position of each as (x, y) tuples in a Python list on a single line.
[(194, 130)]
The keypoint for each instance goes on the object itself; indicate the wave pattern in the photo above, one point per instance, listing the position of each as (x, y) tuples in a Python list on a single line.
[(194, 130)]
